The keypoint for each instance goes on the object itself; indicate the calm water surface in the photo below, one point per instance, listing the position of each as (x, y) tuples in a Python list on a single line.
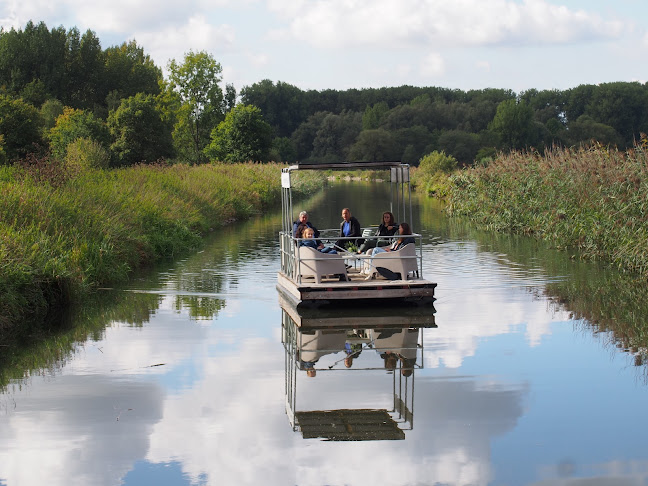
[(183, 376)]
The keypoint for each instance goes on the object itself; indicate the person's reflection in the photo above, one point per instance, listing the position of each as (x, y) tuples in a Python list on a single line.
[(394, 345), (353, 350), (313, 344)]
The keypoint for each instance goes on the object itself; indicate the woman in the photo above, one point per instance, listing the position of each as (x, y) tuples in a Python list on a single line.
[(388, 227), (403, 230)]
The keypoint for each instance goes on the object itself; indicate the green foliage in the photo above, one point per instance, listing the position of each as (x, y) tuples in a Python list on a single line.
[(139, 132), (74, 124), (19, 126), (513, 123), (335, 136), (84, 154), (590, 199), (196, 81), (283, 150), (49, 112), (283, 105), (243, 136), (373, 115), (437, 162), (60, 242), (373, 146), (432, 173)]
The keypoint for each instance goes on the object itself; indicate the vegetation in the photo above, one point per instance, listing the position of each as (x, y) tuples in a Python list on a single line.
[(55, 70), (593, 200), (62, 236), (432, 173)]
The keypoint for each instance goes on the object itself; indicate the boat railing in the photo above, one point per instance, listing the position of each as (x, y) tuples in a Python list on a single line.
[(290, 257)]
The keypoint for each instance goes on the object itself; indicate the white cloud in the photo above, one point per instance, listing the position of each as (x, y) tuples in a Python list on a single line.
[(388, 24), (483, 66), (196, 34), (432, 65)]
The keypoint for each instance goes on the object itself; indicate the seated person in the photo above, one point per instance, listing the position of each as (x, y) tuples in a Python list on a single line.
[(303, 220), (309, 235), (349, 227), (403, 230), (388, 227)]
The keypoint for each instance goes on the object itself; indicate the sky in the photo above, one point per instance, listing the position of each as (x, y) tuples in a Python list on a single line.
[(344, 44)]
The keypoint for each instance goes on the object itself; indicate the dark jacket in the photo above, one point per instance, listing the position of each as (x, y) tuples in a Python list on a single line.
[(383, 231), (355, 227), (397, 246), (308, 223)]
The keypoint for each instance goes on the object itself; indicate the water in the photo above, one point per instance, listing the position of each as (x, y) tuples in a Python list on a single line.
[(527, 372)]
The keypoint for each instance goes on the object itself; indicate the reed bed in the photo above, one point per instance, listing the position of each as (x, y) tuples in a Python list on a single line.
[(61, 238), (593, 200)]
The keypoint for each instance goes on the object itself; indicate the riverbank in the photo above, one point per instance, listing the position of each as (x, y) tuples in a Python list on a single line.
[(593, 200), (62, 237)]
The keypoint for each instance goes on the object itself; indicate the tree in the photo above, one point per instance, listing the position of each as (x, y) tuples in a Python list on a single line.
[(374, 146), (304, 136), (461, 145), (19, 127), (74, 124), (139, 132), (196, 81), (283, 150), (335, 136), (513, 123), (373, 115), (243, 136), (585, 130), (283, 105), (129, 71)]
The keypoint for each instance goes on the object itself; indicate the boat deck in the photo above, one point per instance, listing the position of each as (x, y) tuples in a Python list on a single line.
[(356, 289)]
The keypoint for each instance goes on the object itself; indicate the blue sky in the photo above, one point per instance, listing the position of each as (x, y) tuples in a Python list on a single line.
[(342, 44)]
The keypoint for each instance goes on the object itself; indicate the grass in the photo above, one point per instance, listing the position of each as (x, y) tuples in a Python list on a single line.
[(593, 201), (62, 237)]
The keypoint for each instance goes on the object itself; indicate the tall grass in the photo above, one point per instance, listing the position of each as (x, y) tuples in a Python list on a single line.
[(59, 239), (594, 200)]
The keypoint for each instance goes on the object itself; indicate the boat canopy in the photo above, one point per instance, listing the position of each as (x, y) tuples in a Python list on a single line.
[(399, 178)]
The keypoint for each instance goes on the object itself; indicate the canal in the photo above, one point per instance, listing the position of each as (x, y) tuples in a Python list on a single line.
[(530, 368)]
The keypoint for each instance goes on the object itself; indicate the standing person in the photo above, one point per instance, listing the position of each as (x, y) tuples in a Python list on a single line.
[(349, 227), (303, 219), (388, 227)]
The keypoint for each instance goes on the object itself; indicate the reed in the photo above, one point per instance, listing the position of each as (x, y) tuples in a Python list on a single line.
[(60, 237), (592, 200)]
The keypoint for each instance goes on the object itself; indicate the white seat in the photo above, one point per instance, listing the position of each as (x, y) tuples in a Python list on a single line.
[(401, 261), (313, 263)]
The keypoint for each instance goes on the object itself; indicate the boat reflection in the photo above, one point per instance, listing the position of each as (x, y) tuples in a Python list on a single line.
[(319, 342)]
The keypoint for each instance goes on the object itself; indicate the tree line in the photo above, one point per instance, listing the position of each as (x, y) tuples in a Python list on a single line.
[(62, 94)]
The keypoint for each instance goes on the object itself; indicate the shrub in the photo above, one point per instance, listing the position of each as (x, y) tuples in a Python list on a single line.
[(85, 153)]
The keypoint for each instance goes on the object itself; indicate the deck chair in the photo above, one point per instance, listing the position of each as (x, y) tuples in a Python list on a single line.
[(313, 263), (401, 261)]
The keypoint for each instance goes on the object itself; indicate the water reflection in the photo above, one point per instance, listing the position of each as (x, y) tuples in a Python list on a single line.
[(320, 342)]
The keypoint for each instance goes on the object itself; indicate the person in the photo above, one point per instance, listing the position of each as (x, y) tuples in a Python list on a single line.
[(388, 227), (309, 240), (394, 345), (403, 230), (303, 220), (313, 344), (352, 351), (349, 227)]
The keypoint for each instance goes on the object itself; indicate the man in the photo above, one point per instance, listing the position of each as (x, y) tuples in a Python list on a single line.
[(303, 219), (349, 226)]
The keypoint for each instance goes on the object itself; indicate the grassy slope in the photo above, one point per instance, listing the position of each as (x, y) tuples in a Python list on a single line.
[(57, 243)]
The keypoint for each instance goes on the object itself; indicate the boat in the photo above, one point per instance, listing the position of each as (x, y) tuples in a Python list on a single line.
[(309, 277), (335, 345)]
